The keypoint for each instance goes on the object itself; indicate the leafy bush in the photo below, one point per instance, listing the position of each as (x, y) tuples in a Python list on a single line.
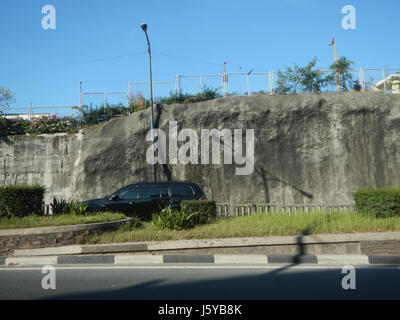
[(59, 206), (94, 115), (45, 124), (207, 210), (192, 213), (383, 202), (78, 208), (309, 79), (21, 201), (144, 211), (137, 103), (206, 94), (172, 219), (289, 80), (135, 222), (132, 224), (53, 124), (13, 126), (90, 115), (64, 206)]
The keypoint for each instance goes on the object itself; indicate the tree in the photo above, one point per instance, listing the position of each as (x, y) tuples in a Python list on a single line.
[(288, 80), (311, 79), (137, 102), (307, 79), (342, 68), (6, 97)]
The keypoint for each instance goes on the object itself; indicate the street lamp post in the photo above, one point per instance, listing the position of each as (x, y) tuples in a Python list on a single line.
[(144, 28)]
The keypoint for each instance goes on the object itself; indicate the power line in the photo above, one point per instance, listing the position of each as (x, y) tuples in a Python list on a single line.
[(187, 59), (219, 65), (10, 72)]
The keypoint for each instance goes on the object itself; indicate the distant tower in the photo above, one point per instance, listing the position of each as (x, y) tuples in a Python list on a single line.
[(335, 59), (224, 82)]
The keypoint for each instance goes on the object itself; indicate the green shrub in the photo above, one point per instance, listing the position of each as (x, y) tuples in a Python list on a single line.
[(172, 219), (60, 206), (21, 201), (135, 222), (93, 115), (78, 208), (45, 124), (132, 224), (13, 126), (383, 202), (53, 124), (63, 206), (144, 211), (206, 94), (207, 210)]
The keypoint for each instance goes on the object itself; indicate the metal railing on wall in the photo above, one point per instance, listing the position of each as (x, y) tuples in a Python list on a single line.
[(228, 210), (29, 113), (231, 210), (269, 83), (266, 85)]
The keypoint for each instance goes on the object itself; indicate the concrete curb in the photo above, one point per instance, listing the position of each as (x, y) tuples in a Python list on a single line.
[(336, 240), (217, 259)]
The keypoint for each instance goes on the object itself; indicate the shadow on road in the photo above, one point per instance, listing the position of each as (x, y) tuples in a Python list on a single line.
[(241, 284)]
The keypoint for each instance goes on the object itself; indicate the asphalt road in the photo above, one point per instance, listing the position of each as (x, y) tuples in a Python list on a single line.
[(200, 282)]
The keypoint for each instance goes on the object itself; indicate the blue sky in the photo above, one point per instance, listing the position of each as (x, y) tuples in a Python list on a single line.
[(100, 42)]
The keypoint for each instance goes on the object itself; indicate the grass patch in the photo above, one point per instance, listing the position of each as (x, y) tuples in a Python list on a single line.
[(57, 220), (257, 225)]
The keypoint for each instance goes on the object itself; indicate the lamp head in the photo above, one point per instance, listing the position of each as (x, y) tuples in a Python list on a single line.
[(144, 26)]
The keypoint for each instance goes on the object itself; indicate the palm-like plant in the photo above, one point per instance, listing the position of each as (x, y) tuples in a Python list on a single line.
[(342, 68)]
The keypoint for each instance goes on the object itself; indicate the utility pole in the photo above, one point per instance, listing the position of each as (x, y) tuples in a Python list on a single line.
[(335, 59), (248, 82), (80, 96), (153, 169), (225, 82)]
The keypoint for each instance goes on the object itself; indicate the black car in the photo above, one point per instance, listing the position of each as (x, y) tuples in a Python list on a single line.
[(143, 199)]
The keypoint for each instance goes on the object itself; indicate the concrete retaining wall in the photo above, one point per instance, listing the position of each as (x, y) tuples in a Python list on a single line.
[(309, 149)]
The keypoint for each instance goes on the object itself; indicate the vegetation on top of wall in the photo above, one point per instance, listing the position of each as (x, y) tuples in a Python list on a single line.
[(89, 115), (45, 124), (206, 94), (92, 115), (311, 80)]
